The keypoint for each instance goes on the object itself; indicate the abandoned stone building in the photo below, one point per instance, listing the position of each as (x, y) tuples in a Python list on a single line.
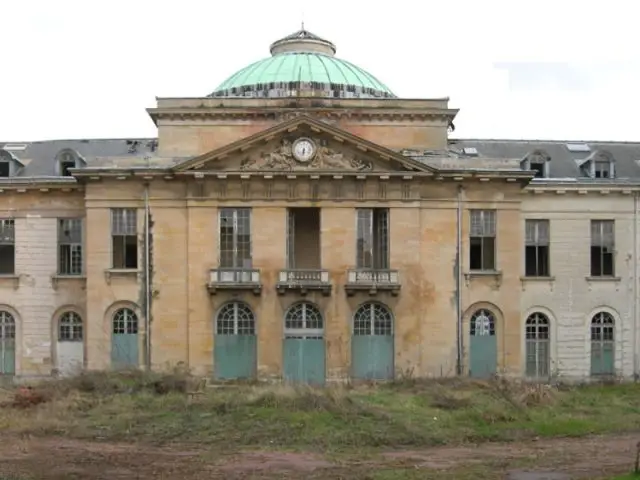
[(304, 223)]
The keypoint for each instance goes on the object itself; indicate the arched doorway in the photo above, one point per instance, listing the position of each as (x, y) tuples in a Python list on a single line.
[(304, 349), (537, 351), (124, 339), (372, 342), (235, 352), (483, 347), (70, 346), (7, 344), (603, 347)]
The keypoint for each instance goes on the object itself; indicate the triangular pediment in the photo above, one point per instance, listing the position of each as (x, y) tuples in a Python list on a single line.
[(274, 149)]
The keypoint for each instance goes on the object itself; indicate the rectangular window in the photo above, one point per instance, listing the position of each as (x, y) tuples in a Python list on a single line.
[(602, 247), (235, 238), (602, 170), (482, 240), (536, 251), (372, 249), (5, 169), (124, 238), (539, 168), (7, 247), (70, 246)]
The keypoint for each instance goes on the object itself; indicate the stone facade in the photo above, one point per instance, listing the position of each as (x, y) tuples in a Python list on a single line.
[(156, 294)]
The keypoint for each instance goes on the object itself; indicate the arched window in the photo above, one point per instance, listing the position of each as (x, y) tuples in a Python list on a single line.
[(7, 326), (482, 323), (602, 344), (235, 318), (373, 318), (537, 351), (70, 327), (303, 320), (125, 321)]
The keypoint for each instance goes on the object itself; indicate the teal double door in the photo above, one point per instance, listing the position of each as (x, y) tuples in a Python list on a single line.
[(483, 346), (372, 343), (303, 348), (125, 343), (235, 343)]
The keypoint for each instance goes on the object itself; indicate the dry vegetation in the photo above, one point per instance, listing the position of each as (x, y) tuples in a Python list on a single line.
[(342, 422)]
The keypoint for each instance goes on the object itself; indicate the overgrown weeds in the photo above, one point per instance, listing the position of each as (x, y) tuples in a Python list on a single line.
[(157, 408)]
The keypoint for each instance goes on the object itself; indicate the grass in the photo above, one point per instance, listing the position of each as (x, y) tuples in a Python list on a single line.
[(155, 409)]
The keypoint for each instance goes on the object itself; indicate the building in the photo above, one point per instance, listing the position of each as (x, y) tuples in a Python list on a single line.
[(302, 222)]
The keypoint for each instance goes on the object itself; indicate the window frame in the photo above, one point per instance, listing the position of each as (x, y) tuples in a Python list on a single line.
[(124, 212), (600, 243), (234, 254), (491, 225), (373, 223), (542, 229), (10, 225), (71, 244)]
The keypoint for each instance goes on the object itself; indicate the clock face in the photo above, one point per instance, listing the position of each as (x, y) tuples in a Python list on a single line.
[(304, 149)]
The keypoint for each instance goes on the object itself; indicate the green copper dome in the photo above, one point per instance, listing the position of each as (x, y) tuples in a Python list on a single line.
[(302, 65)]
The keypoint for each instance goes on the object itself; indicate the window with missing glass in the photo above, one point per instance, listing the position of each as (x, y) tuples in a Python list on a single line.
[(70, 249)]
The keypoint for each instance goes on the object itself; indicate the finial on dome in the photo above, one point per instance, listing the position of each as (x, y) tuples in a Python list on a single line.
[(303, 41)]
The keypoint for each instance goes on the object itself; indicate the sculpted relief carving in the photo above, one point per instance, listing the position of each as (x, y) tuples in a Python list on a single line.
[(325, 158)]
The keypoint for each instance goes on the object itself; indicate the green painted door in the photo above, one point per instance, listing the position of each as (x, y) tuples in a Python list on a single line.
[(602, 358), (235, 356), (304, 360), (303, 348), (7, 344), (372, 343), (124, 340), (235, 344), (483, 347)]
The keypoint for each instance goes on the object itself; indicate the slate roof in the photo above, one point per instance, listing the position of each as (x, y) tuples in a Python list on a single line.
[(39, 158)]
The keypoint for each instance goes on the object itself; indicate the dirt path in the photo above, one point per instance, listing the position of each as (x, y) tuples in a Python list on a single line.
[(60, 458)]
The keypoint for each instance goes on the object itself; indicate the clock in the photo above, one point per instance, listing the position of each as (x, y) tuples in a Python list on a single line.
[(304, 150)]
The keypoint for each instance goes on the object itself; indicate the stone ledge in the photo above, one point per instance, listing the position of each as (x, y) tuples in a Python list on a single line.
[(10, 279)]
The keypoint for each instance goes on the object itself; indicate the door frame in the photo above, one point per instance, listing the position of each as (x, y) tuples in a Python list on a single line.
[(499, 333)]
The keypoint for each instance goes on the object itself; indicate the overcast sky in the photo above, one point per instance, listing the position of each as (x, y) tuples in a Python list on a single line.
[(560, 69)]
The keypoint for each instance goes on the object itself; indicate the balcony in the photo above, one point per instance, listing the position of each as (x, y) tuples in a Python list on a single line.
[(304, 280), (234, 279), (373, 281)]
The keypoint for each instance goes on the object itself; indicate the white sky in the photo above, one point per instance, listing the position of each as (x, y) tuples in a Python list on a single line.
[(543, 69)]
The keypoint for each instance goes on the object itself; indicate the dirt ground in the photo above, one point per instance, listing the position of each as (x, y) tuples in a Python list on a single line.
[(60, 458)]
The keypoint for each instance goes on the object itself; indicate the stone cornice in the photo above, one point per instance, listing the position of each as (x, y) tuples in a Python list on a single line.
[(282, 114)]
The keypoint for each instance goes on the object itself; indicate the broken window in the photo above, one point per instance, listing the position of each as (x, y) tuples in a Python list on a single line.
[(539, 168), (66, 161), (372, 249), (7, 247), (602, 247), (235, 238), (482, 241), (70, 246), (536, 248), (303, 238), (124, 238)]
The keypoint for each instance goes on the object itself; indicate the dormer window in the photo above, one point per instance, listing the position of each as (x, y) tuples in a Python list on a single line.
[(9, 164), (67, 160), (599, 164), (537, 161)]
